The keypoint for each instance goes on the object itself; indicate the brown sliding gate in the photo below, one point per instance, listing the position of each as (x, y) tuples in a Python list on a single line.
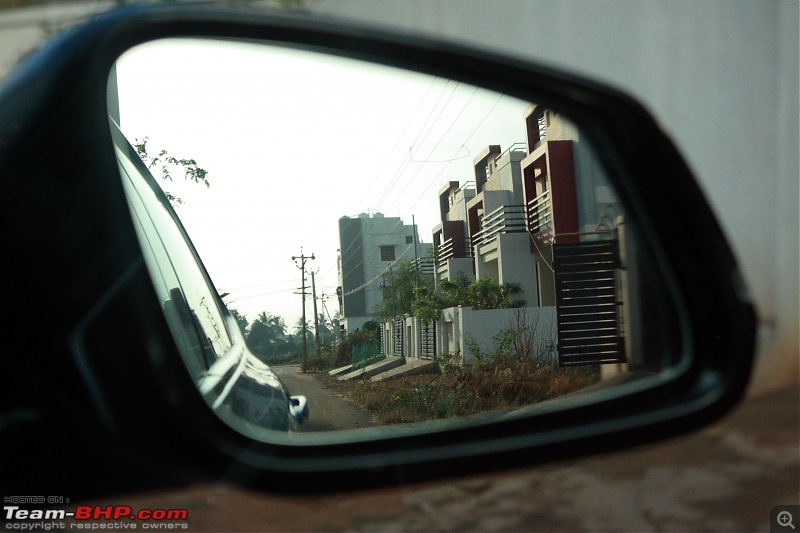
[(587, 304)]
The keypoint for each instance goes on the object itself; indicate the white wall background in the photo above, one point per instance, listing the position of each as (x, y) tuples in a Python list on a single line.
[(722, 78)]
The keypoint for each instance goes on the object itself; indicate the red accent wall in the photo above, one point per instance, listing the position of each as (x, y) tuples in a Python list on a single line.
[(563, 195), (472, 220), (453, 229)]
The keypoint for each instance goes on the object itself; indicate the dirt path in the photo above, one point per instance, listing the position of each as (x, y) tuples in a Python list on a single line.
[(327, 410)]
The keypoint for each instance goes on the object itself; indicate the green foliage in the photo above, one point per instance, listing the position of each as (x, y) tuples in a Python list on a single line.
[(266, 335), (191, 170), (457, 291), (240, 319), (325, 327), (450, 363), (485, 293), (398, 286), (357, 342), (309, 327), (472, 346), (371, 325), (427, 304), (268, 339)]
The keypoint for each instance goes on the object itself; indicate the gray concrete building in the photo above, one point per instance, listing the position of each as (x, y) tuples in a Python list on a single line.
[(369, 244)]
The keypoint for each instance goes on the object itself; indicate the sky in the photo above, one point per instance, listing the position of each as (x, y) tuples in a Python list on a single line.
[(292, 141)]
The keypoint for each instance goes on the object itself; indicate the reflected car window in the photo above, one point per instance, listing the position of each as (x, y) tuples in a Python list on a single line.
[(188, 302)]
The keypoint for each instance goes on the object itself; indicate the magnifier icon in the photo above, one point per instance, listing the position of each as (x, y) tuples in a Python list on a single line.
[(785, 519)]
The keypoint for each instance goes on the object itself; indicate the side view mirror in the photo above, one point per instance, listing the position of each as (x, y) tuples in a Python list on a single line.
[(299, 408), (636, 320)]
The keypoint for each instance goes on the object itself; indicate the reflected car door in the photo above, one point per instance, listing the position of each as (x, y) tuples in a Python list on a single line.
[(232, 380)]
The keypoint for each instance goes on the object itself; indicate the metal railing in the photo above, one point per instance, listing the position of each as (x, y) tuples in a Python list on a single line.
[(505, 219), (540, 213), (467, 185), (452, 249), (516, 147), (425, 265), (451, 197), (366, 354)]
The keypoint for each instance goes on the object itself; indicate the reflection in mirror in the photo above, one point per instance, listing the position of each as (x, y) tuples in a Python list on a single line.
[(390, 246)]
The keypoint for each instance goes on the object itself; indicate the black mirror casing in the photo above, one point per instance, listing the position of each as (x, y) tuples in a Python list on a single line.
[(91, 358)]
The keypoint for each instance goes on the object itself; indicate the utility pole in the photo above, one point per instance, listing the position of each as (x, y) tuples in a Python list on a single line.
[(302, 266), (394, 291), (322, 298), (316, 316), (416, 255), (334, 329)]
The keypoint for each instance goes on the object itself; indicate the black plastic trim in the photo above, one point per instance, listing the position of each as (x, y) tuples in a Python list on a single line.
[(54, 136)]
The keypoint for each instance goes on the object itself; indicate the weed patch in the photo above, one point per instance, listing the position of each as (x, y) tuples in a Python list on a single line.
[(471, 391), (518, 370)]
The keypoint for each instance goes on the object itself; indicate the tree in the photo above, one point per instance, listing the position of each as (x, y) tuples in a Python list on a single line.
[(484, 293), (191, 170), (266, 335), (240, 319), (371, 327), (298, 330), (398, 286), (325, 327), (487, 293)]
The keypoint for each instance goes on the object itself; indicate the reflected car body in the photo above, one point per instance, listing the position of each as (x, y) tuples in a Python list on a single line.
[(228, 375)]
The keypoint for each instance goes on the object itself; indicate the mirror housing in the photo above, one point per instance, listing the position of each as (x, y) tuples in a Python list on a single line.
[(298, 407), (67, 223)]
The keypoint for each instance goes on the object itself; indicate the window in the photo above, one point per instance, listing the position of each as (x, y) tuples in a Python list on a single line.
[(387, 253), (409, 239)]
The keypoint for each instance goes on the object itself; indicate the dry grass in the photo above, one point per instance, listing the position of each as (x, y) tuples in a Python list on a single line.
[(517, 370), (468, 391)]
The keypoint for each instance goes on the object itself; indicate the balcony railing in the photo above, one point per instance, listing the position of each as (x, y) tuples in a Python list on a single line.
[(424, 265), (540, 213), (452, 249), (505, 219), (516, 147)]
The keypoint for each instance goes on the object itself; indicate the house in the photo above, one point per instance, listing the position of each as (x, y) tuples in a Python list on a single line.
[(543, 215), (573, 218), (536, 212), (496, 221), (369, 244), (451, 243)]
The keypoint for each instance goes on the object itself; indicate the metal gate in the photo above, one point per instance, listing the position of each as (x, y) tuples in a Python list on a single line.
[(397, 336), (587, 311), (427, 339)]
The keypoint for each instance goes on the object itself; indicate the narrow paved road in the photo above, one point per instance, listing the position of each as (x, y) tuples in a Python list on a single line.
[(327, 410)]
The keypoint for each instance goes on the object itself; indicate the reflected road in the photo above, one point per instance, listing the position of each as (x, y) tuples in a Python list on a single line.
[(327, 410)]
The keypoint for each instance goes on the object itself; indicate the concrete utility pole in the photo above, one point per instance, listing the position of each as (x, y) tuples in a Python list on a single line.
[(302, 266), (316, 319), (416, 254), (322, 298)]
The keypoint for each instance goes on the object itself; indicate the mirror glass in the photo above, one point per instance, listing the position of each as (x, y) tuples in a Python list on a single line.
[(368, 247)]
